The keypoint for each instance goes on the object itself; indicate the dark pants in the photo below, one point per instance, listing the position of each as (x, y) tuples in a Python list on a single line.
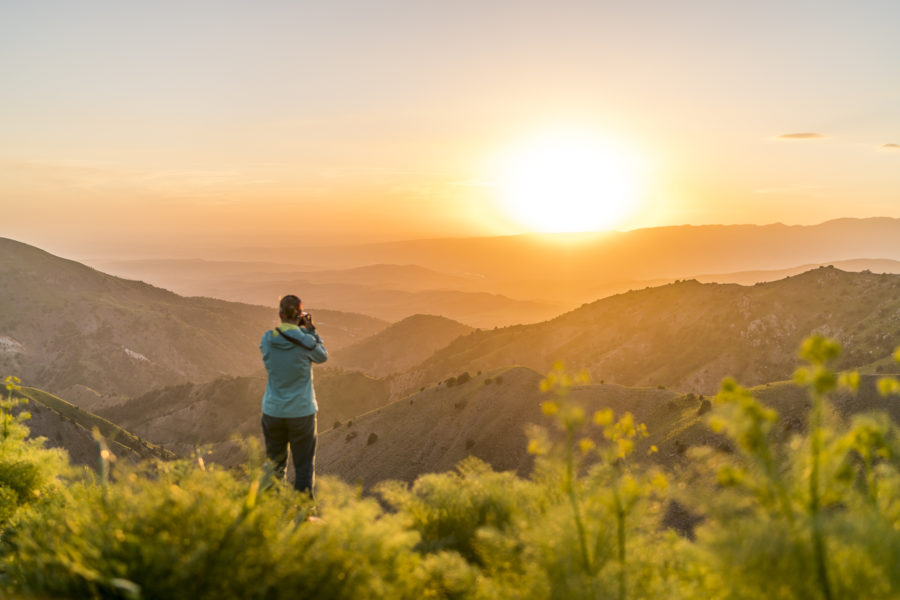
[(300, 434)]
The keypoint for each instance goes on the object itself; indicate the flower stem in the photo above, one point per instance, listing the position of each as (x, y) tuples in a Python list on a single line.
[(815, 511), (573, 498)]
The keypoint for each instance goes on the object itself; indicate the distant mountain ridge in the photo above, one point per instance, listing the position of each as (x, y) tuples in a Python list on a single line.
[(390, 292), (641, 254), (875, 265), (551, 272)]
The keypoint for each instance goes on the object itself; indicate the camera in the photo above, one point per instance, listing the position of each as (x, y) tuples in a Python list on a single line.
[(306, 320)]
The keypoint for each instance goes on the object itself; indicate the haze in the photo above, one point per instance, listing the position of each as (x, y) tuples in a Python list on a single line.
[(183, 129)]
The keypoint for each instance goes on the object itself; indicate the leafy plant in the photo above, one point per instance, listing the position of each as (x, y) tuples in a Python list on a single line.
[(784, 515), (797, 519)]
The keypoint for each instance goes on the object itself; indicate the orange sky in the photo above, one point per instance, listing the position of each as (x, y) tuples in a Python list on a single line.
[(167, 127)]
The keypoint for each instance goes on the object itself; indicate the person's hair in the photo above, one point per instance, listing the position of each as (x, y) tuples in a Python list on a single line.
[(289, 307)]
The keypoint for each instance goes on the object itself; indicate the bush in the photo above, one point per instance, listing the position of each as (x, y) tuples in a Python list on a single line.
[(812, 516), (448, 509), (187, 532), (29, 473)]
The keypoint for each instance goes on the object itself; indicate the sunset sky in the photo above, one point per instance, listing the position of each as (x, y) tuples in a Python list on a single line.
[(174, 126)]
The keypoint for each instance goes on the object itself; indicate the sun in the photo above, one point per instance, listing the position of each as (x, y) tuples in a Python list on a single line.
[(567, 183)]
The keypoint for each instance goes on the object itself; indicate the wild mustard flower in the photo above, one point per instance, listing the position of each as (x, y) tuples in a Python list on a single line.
[(622, 488)]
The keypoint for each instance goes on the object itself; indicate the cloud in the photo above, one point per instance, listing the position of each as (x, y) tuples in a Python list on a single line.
[(801, 136), (891, 146)]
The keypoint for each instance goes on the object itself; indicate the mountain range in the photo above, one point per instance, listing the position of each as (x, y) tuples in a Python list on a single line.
[(390, 292), (74, 331), (499, 281)]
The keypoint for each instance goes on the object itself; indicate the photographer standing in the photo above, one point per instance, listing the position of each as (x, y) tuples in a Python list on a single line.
[(289, 403)]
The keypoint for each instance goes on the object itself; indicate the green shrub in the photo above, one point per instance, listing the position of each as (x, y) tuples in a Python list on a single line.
[(28, 471), (814, 518), (448, 509), (188, 532)]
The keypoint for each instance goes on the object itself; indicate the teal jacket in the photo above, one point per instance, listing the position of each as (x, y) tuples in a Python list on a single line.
[(289, 391)]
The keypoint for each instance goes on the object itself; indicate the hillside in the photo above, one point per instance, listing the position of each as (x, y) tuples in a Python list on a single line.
[(65, 327), (187, 417), (688, 335), (400, 346), (489, 415), (66, 426)]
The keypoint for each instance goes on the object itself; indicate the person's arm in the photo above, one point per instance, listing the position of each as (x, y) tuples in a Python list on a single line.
[(318, 354)]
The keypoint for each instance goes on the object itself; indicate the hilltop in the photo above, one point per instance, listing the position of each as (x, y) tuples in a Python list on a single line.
[(72, 330), (399, 346), (689, 335)]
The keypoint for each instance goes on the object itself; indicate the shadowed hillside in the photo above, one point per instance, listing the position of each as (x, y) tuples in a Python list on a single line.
[(67, 327), (488, 417), (187, 417), (689, 335), (400, 346), (484, 416)]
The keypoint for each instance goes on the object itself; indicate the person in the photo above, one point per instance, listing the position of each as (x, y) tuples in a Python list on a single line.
[(289, 402)]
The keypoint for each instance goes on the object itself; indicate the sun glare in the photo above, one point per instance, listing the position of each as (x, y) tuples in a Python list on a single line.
[(567, 183)]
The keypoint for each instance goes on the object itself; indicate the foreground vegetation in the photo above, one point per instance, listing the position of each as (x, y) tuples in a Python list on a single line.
[(813, 516)]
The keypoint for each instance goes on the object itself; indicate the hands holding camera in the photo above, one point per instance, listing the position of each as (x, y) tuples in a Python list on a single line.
[(306, 321)]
